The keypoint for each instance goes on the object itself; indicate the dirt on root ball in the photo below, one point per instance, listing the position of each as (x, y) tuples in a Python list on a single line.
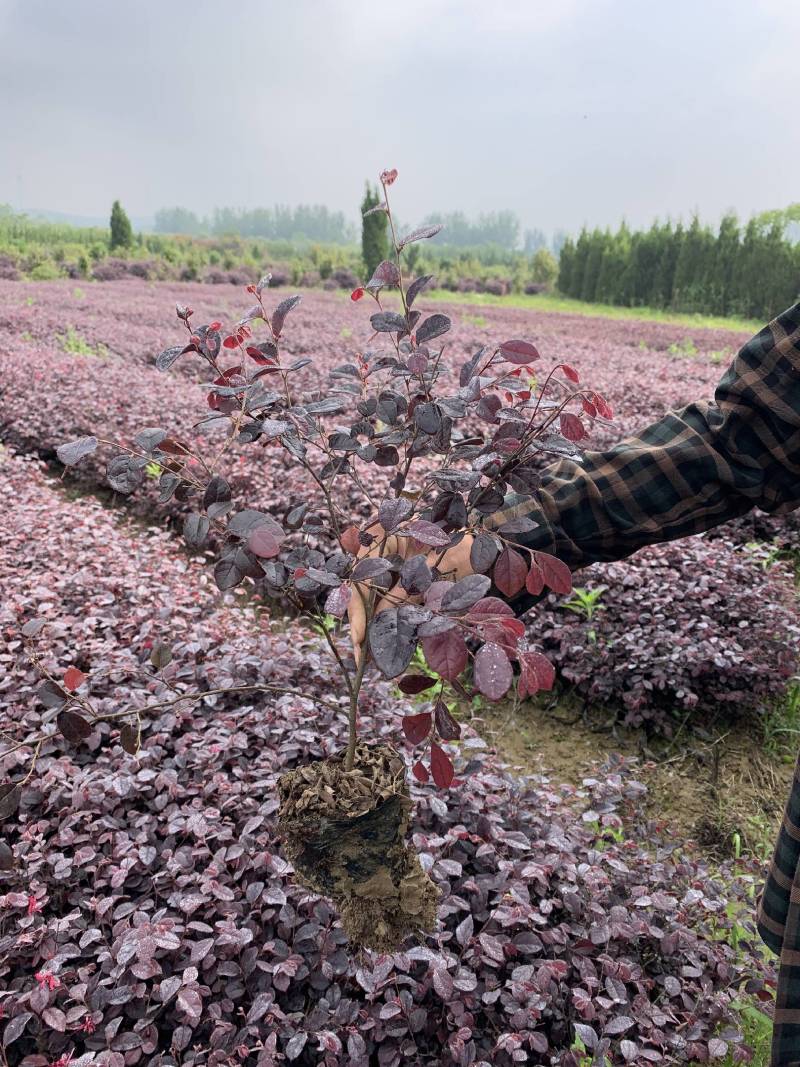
[(345, 834)]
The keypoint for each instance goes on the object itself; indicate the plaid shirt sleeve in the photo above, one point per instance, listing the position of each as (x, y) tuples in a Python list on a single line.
[(688, 472), (693, 470)]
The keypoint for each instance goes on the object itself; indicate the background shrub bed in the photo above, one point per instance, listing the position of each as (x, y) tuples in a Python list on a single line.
[(150, 918)]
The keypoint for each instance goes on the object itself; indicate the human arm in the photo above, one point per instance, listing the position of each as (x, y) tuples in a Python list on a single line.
[(690, 471)]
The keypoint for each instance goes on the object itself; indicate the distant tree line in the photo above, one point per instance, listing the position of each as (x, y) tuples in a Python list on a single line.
[(752, 271), (498, 229), (312, 222)]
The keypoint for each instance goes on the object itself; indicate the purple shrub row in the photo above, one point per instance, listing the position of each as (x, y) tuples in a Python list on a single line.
[(697, 625), (683, 660)]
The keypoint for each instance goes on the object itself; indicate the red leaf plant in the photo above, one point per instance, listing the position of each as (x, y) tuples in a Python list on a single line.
[(451, 453)]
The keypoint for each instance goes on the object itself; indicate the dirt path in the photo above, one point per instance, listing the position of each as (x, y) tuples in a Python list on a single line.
[(723, 793)]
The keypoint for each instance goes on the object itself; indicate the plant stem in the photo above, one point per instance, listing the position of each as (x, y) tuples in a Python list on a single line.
[(353, 712)]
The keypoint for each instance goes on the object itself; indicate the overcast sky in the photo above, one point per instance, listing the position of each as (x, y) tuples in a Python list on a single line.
[(566, 112)]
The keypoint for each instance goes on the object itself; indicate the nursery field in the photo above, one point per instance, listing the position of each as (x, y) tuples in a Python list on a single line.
[(147, 914)]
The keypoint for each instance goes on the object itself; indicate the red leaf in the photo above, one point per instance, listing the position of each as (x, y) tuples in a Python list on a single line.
[(509, 571), (555, 573), (264, 543), (446, 653), (536, 672), (427, 533), (388, 177), (446, 726), (230, 342), (498, 633), (493, 674), (603, 407), (519, 351), (214, 326), (337, 601), (589, 408), (572, 427), (441, 767), (415, 683), (420, 772), (74, 679), (357, 293), (534, 583), (417, 727), (570, 372), (349, 540), (487, 607)]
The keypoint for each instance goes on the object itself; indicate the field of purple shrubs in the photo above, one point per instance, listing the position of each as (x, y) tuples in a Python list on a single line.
[(146, 913)]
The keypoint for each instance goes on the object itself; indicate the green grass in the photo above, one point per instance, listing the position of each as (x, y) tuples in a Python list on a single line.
[(72, 342), (566, 306), (476, 320)]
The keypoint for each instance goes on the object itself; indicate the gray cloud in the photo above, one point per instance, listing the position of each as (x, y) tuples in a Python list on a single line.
[(566, 112)]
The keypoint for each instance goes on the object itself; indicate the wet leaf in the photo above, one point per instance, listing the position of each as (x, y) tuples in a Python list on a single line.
[(465, 593), (416, 683), (394, 511), (446, 653), (338, 600), (9, 799), (74, 679), (73, 726), (195, 530), (416, 288), (281, 311), (510, 572), (427, 533), (74, 451), (520, 352), (492, 671), (386, 273), (441, 767), (432, 327), (417, 727), (387, 322), (446, 726), (392, 641), (422, 234)]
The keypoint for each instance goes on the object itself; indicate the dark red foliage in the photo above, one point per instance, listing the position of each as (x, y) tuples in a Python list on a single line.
[(692, 626)]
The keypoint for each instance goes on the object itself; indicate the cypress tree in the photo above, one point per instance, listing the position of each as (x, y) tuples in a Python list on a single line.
[(566, 262), (591, 270), (579, 264), (374, 232), (121, 229), (726, 255)]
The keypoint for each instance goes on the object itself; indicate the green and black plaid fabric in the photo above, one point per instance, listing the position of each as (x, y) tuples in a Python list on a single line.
[(693, 470)]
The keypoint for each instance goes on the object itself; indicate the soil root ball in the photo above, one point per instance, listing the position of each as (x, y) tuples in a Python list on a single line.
[(345, 834)]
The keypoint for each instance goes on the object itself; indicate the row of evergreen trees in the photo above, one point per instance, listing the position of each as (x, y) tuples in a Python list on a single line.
[(753, 272)]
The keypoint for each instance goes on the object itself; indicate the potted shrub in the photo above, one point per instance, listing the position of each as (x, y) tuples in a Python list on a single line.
[(443, 451)]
